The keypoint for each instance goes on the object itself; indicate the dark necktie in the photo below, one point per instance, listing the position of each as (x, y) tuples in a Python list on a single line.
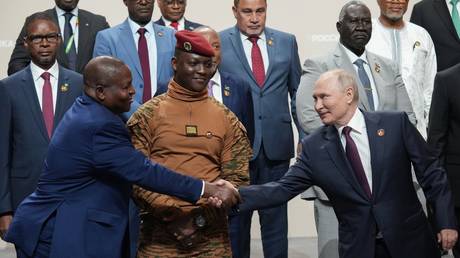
[(143, 53), (365, 82), (355, 161), (69, 42), (258, 68), (47, 103), (175, 25)]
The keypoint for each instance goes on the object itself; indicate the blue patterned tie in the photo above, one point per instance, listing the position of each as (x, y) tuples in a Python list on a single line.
[(365, 82), (69, 42)]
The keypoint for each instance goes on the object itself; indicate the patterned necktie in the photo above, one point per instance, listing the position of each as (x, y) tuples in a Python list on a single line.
[(69, 42), (355, 161), (143, 53), (455, 16), (365, 82), (175, 25), (258, 68), (210, 85), (47, 103)]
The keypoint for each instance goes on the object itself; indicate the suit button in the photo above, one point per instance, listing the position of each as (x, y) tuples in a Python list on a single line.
[(261, 94), (260, 117)]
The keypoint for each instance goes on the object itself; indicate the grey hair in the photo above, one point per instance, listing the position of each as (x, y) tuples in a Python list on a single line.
[(345, 7)]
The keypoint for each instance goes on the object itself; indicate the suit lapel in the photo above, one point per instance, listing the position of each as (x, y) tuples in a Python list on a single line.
[(441, 9), (160, 22), (342, 61), (127, 41), (335, 149), (84, 26), (272, 48), (161, 43), (379, 81), (235, 38), (31, 99), (376, 136)]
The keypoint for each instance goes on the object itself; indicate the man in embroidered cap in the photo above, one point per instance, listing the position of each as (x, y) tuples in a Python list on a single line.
[(194, 134)]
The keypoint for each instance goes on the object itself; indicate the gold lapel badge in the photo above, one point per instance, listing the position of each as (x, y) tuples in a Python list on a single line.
[(416, 44), (226, 91), (209, 135), (380, 132), (377, 68), (160, 34), (270, 42), (64, 87), (191, 130)]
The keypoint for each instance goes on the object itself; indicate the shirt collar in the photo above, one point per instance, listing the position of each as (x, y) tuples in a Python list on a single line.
[(61, 12), (135, 27), (356, 123), (352, 56), (168, 22), (216, 78), (37, 71)]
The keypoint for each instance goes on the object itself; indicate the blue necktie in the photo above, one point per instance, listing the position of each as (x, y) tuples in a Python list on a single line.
[(365, 82), (69, 42)]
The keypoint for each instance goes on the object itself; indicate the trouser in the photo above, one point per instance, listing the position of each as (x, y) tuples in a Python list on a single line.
[(273, 221), (381, 250), (43, 248), (456, 249)]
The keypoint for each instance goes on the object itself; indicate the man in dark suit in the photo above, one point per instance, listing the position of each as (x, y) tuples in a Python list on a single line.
[(442, 22), (236, 95), (33, 102), (172, 15), (268, 60), (362, 161), (83, 192), (78, 29), (146, 48), (444, 129)]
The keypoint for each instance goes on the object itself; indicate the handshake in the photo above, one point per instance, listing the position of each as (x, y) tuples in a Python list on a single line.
[(221, 193)]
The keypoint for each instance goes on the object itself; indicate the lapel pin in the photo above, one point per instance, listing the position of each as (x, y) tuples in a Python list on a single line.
[(380, 132), (270, 42), (160, 34), (377, 68), (64, 87), (87, 24), (416, 44), (226, 91), (209, 135)]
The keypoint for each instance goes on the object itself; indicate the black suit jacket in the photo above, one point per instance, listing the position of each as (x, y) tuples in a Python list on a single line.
[(434, 16), (236, 95), (394, 208), (89, 25), (444, 126), (189, 25), (23, 136)]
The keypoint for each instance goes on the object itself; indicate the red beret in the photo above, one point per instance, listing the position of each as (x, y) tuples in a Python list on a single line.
[(193, 42)]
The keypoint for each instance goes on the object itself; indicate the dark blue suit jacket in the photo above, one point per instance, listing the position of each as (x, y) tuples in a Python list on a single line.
[(188, 25), (23, 136), (236, 95), (393, 208), (86, 182), (272, 118)]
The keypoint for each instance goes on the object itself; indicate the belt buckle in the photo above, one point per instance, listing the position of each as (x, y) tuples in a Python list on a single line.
[(200, 221)]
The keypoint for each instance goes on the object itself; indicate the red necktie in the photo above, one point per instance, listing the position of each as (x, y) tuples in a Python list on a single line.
[(258, 68), (175, 25), (143, 53), (47, 103), (355, 161)]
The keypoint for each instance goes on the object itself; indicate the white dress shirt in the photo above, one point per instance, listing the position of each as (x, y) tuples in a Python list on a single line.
[(352, 57), (360, 137), (180, 26), (417, 63), (262, 43), (449, 6), (73, 22), (217, 86), (39, 81), (151, 46)]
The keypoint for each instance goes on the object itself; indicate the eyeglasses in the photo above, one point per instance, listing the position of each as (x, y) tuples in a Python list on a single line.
[(171, 2), (50, 38)]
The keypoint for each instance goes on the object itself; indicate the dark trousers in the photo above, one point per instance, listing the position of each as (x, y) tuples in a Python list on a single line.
[(456, 249), (381, 250), (273, 222), (43, 248)]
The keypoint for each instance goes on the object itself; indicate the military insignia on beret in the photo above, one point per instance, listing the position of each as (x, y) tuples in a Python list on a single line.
[(64, 87), (377, 68), (188, 46), (380, 132)]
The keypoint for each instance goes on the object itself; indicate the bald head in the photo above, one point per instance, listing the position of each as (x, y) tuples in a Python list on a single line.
[(214, 40), (108, 81)]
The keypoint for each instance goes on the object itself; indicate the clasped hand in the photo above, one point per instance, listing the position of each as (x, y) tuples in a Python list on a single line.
[(221, 193)]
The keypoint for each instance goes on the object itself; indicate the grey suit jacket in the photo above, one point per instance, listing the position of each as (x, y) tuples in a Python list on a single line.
[(387, 80)]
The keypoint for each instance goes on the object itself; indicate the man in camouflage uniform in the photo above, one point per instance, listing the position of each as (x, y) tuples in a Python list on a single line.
[(194, 134)]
